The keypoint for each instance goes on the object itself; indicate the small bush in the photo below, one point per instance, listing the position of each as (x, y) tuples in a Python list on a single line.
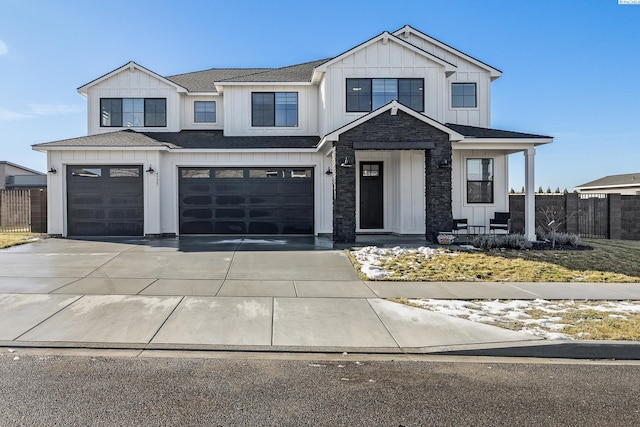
[(564, 239), (510, 241)]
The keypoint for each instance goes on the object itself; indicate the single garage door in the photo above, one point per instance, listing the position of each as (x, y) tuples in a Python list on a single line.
[(246, 200), (105, 201)]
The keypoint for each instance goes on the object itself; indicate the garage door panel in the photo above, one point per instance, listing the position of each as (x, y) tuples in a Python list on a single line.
[(247, 201), (105, 201)]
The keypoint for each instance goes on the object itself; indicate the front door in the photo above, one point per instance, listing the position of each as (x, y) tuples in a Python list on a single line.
[(371, 200)]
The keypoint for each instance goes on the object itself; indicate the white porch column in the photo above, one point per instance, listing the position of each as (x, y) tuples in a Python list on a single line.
[(529, 194)]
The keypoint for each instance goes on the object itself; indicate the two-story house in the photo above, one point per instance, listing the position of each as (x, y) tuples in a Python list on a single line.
[(391, 136)]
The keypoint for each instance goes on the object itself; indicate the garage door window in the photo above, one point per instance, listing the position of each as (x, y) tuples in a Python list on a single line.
[(87, 172), (124, 172), (196, 173)]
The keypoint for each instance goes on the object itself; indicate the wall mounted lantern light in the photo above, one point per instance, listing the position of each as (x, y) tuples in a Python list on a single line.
[(328, 172), (53, 170), (444, 164), (150, 170), (346, 163)]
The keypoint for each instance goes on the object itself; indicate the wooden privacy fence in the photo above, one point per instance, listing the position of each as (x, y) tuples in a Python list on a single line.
[(23, 211), (598, 216)]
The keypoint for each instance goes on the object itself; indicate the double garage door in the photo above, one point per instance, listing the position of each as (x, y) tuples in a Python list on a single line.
[(108, 200), (246, 200)]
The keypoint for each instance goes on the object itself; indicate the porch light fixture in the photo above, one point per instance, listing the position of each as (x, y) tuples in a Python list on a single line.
[(53, 170), (150, 170), (346, 163), (328, 172), (444, 164)]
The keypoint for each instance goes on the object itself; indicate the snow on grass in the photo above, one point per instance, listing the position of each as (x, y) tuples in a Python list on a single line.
[(538, 317), (371, 259)]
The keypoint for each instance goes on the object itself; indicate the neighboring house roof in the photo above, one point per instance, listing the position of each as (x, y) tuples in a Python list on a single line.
[(478, 132), (624, 180), (122, 138), (26, 169)]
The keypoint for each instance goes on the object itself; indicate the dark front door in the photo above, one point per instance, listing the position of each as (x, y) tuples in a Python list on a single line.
[(371, 200)]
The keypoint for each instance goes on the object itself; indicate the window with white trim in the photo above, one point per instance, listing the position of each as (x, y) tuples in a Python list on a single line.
[(479, 180)]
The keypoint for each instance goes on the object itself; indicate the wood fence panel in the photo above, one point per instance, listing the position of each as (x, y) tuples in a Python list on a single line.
[(15, 211)]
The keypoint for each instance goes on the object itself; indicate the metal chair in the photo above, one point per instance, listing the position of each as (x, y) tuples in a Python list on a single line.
[(460, 224), (500, 221)]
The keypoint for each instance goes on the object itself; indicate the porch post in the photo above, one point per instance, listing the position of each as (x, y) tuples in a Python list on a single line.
[(530, 194)]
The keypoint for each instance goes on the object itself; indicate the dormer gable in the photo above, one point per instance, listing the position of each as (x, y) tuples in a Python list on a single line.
[(407, 32), (384, 38), (130, 67)]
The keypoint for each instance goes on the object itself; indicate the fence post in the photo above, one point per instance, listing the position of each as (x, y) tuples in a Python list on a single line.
[(571, 211), (615, 216)]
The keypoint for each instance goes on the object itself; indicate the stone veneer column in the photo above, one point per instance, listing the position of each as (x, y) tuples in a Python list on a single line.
[(438, 213), (344, 193)]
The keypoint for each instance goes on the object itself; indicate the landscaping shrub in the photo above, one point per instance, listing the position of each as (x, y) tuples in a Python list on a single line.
[(509, 241)]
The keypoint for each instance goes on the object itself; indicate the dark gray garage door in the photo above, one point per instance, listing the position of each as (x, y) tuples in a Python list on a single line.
[(105, 201), (246, 200)]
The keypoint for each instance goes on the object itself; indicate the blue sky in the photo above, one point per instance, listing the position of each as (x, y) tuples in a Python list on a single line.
[(570, 68)]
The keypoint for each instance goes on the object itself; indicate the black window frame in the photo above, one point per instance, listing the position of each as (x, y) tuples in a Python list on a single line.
[(363, 100), (154, 112), (267, 109), (464, 97), (203, 114), (481, 191)]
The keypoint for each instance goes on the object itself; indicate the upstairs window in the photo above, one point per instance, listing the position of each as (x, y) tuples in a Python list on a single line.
[(133, 112), (279, 109), (479, 180), (364, 95), (204, 111), (463, 95)]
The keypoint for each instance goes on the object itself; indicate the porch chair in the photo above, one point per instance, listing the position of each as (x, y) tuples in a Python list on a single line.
[(500, 221), (460, 224)]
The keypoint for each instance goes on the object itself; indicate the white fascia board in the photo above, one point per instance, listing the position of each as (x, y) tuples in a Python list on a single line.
[(494, 73), (202, 93), (449, 68), (220, 85), (128, 66), (606, 187), (467, 143), (245, 150), (44, 149), (335, 135)]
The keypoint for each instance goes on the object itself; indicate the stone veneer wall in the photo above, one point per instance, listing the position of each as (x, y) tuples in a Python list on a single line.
[(389, 129)]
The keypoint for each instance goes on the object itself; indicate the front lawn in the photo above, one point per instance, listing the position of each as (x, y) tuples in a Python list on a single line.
[(609, 261), (13, 239)]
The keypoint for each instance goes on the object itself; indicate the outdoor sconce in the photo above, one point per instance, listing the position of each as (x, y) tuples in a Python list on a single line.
[(346, 163), (150, 170), (444, 164), (328, 172), (53, 170)]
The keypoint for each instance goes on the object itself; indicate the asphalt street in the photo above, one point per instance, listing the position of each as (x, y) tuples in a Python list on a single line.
[(94, 390)]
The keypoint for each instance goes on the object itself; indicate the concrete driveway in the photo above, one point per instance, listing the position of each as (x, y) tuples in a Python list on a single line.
[(211, 292)]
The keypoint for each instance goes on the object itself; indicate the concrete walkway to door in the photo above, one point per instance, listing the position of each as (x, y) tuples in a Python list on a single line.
[(232, 293)]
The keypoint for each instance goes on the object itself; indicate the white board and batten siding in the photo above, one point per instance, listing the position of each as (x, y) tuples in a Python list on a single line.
[(237, 105), (132, 83), (379, 60), (187, 112)]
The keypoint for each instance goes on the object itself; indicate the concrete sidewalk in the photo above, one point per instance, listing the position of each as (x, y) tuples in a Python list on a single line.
[(233, 293)]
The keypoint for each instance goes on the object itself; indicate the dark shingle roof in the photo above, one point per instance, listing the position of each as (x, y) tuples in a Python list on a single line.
[(122, 138), (614, 181), (292, 73), (204, 81), (478, 132), (213, 139)]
